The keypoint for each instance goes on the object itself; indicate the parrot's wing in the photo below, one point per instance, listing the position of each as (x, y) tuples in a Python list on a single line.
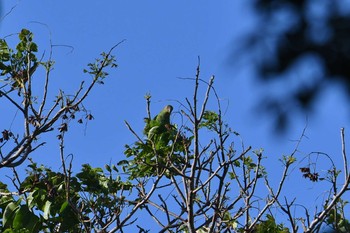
[(159, 122), (163, 117), (152, 132)]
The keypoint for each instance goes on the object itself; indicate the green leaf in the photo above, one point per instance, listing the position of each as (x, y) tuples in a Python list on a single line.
[(123, 162), (24, 34), (64, 206), (210, 119), (46, 209), (9, 213), (33, 47), (108, 168), (4, 51), (68, 216), (30, 200), (25, 219), (115, 168), (291, 159), (232, 175)]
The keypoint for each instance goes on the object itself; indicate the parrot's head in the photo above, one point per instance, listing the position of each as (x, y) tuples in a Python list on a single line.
[(168, 108)]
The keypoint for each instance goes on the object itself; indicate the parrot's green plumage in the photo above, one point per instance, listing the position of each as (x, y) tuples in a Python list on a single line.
[(160, 123), (163, 118)]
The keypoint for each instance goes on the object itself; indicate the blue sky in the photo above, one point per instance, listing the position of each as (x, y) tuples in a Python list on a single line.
[(163, 41)]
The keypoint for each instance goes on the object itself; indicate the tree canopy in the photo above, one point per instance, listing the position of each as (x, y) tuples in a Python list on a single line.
[(187, 172)]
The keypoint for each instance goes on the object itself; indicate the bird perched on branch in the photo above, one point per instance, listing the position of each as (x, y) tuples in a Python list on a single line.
[(160, 123)]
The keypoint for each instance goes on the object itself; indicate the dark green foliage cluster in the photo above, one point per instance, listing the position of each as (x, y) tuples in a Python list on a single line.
[(50, 203), (20, 64), (43, 203), (336, 219), (269, 225), (210, 120)]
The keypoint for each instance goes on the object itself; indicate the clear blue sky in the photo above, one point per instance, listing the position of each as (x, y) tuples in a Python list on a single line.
[(163, 41)]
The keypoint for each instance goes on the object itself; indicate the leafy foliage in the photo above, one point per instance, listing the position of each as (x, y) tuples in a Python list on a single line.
[(269, 226), (48, 205), (336, 219)]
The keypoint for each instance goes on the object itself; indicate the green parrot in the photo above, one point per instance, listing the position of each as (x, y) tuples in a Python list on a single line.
[(163, 118), (159, 124)]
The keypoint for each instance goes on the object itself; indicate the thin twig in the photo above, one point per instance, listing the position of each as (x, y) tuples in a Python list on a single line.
[(342, 134), (133, 132)]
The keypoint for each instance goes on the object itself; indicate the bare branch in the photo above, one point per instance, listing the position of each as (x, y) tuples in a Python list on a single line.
[(133, 132), (204, 105), (346, 172)]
